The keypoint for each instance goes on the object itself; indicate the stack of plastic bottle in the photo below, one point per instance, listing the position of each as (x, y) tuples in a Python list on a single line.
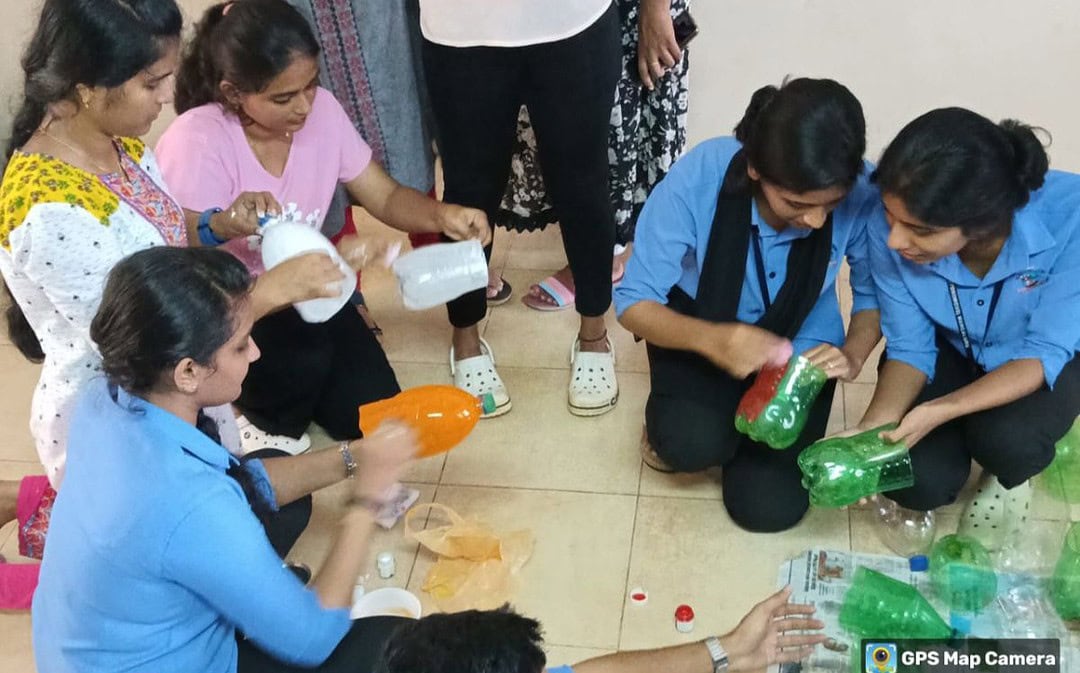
[(775, 408), (840, 471), (442, 416)]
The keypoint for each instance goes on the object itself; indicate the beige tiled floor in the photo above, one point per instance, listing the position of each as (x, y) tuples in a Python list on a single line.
[(602, 523)]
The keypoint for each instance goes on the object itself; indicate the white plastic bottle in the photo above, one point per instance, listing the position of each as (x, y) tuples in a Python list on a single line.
[(283, 240), (435, 274)]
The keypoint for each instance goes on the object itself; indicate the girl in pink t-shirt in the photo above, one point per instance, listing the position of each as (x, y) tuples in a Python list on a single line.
[(253, 119)]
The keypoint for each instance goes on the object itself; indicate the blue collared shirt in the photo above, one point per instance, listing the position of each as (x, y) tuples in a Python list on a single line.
[(1038, 313), (673, 236), (155, 557)]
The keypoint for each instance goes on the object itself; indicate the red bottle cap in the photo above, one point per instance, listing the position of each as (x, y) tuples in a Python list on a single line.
[(684, 619), (639, 596)]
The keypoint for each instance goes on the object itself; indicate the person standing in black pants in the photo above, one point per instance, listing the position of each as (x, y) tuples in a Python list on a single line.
[(562, 61)]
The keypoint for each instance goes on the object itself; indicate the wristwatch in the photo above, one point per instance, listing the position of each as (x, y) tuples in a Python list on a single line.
[(719, 656)]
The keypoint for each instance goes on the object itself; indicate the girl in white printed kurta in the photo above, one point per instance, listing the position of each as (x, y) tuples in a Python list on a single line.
[(79, 193)]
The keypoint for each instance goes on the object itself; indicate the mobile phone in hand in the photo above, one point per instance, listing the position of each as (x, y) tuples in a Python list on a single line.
[(686, 28)]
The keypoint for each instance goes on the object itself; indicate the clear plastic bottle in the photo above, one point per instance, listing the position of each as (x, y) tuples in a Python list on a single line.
[(435, 274)]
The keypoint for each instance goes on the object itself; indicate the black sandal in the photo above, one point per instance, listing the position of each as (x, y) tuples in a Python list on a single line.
[(503, 295)]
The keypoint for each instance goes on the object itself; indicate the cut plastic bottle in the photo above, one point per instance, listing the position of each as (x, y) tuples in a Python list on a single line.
[(441, 415), (963, 577), (776, 407), (839, 471), (435, 274), (283, 240), (1065, 583), (877, 606)]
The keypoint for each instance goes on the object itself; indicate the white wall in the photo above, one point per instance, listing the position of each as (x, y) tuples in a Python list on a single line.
[(1001, 58), (901, 57)]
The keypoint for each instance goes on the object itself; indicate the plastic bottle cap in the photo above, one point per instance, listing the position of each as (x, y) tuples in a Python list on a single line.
[(384, 562), (684, 619), (487, 403), (639, 596), (919, 563)]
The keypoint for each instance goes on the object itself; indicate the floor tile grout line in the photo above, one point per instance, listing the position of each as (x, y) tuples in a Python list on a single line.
[(629, 558)]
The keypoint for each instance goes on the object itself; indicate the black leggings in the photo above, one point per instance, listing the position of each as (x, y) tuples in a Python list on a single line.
[(361, 648), (568, 86), (319, 372), (1013, 442), (690, 420)]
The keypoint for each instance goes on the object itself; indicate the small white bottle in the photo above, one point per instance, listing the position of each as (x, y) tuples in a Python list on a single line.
[(384, 563)]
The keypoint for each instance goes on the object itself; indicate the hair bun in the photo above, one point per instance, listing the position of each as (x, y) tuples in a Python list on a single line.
[(758, 102), (1029, 154)]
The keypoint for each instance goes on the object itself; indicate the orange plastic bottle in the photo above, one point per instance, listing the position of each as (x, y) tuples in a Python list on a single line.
[(441, 415)]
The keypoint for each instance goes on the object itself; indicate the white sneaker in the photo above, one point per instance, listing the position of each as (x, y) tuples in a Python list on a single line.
[(477, 376), (253, 439)]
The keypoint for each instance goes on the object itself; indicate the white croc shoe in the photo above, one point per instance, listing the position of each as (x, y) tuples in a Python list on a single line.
[(477, 376), (996, 514), (593, 389), (253, 439)]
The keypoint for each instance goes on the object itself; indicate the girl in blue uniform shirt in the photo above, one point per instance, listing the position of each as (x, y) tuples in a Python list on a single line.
[(162, 547), (976, 257), (735, 263)]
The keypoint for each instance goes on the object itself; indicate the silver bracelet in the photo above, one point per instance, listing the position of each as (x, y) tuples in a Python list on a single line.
[(347, 458)]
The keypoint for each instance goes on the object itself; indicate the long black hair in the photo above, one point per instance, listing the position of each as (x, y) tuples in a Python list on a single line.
[(248, 43), (164, 304), (805, 135), (89, 42), (954, 168)]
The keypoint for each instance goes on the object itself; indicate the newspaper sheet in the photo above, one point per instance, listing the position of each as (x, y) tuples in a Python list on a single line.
[(821, 577)]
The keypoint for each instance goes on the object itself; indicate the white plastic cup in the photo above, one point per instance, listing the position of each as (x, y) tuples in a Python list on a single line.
[(435, 274), (283, 241), (390, 602)]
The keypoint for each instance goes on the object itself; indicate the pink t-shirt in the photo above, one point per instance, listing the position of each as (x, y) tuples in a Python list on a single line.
[(207, 162)]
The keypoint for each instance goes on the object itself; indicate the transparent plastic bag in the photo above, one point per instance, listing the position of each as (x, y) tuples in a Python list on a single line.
[(435, 274), (477, 568)]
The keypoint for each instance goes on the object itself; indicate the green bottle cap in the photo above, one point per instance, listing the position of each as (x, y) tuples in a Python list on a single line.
[(487, 402)]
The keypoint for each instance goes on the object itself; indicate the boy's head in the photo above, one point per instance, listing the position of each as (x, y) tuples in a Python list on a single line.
[(490, 641)]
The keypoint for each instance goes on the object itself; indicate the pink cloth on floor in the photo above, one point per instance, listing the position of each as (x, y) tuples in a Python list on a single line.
[(17, 584), (34, 508)]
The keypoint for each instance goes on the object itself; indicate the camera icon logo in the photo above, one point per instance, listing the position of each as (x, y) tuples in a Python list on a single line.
[(880, 658)]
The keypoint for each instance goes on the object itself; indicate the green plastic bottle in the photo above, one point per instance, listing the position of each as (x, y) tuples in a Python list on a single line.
[(1062, 478), (877, 606), (1065, 583), (962, 574), (839, 471), (775, 409)]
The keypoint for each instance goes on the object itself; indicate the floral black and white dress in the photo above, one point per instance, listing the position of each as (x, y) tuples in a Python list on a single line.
[(647, 135)]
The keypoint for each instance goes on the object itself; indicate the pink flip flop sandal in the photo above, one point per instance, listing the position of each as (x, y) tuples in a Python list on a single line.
[(552, 287)]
